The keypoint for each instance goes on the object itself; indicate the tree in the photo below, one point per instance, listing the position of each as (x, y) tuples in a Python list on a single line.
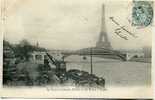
[(24, 42), (25, 48)]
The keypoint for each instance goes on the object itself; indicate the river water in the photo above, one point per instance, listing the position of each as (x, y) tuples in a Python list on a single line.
[(115, 72)]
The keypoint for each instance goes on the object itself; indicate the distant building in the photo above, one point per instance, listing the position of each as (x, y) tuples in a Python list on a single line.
[(40, 56), (37, 57)]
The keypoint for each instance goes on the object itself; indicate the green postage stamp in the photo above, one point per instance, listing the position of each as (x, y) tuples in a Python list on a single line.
[(142, 13)]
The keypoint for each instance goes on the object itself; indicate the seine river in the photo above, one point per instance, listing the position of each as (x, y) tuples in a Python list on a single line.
[(115, 72)]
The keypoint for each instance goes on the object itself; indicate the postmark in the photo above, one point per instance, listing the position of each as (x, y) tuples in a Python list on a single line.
[(142, 13), (121, 28)]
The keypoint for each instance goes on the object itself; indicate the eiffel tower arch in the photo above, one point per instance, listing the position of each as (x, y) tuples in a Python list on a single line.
[(103, 41)]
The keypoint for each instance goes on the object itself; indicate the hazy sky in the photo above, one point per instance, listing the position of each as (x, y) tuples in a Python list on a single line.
[(70, 24)]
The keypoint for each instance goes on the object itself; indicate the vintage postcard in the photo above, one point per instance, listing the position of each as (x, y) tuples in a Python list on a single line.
[(77, 49)]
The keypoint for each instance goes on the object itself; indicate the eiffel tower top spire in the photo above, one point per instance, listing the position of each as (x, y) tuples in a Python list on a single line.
[(103, 41), (103, 27)]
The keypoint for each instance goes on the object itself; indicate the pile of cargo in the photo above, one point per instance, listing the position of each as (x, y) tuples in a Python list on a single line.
[(82, 78), (9, 65)]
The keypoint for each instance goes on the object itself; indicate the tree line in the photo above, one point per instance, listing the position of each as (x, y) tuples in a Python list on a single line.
[(23, 48)]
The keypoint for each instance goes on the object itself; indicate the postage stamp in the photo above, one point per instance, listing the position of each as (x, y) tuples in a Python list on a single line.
[(142, 13), (76, 49)]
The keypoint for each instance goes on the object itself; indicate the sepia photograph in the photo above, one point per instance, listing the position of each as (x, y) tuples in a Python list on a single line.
[(85, 45)]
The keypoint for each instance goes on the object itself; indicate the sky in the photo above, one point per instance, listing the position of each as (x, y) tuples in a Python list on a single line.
[(71, 24)]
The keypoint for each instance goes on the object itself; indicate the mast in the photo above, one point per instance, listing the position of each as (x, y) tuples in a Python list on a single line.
[(91, 63)]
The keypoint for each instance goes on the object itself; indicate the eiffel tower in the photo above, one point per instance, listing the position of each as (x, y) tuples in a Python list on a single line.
[(103, 41)]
